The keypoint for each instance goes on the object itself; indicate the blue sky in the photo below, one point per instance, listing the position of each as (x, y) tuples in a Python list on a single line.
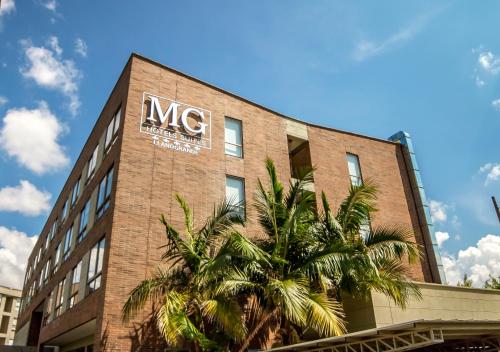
[(429, 68)]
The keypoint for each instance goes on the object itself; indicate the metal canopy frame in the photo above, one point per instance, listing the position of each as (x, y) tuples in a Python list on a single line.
[(419, 335)]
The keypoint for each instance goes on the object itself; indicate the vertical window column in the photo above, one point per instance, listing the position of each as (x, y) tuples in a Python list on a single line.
[(60, 298), (104, 194), (357, 180), (84, 220), (57, 258), (75, 284), (354, 169), (68, 240), (111, 130), (235, 193), (233, 137), (76, 192), (92, 163), (95, 266)]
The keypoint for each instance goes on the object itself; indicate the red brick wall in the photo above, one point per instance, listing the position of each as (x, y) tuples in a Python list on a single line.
[(149, 176)]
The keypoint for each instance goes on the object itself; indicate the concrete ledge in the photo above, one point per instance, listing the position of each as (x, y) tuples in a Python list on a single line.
[(438, 302)]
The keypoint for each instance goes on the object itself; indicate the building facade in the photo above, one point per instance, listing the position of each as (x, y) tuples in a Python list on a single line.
[(10, 301), (162, 132)]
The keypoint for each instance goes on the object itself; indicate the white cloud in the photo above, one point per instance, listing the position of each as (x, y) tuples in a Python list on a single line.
[(54, 44), (81, 47), (442, 237), (7, 6), (15, 248), (50, 5), (31, 136), (492, 171), (3, 100), (496, 104), (438, 211), (366, 49), (477, 262), (49, 70), (489, 62), (25, 199)]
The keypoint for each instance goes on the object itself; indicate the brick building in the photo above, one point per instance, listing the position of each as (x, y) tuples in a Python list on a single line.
[(10, 300), (162, 132)]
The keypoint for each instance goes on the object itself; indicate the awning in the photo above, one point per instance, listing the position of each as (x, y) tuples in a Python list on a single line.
[(418, 335)]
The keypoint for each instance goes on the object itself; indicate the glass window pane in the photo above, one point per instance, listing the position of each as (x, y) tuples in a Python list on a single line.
[(233, 137), (92, 262), (109, 182), (102, 190), (233, 150), (354, 170), (234, 190), (109, 133), (100, 257), (232, 131), (76, 192), (117, 120)]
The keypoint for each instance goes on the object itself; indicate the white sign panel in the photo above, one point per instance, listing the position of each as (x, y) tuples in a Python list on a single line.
[(174, 125)]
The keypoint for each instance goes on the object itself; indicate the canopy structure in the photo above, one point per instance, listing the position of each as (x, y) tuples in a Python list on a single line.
[(417, 335)]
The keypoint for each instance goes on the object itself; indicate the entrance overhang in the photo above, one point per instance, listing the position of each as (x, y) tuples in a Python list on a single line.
[(418, 335)]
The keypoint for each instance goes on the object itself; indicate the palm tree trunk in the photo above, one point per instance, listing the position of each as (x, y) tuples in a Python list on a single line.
[(256, 329)]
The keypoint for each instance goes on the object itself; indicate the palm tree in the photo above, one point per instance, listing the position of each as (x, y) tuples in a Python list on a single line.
[(317, 256), (466, 282), (286, 291), (192, 305), (492, 282), (376, 255)]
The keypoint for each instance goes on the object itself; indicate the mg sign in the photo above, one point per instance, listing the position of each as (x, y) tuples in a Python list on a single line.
[(174, 125)]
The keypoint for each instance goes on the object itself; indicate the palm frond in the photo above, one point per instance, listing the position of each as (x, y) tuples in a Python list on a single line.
[(298, 186), (392, 241), (356, 207), (393, 281), (188, 215), (325, 315), (291, 295), (151, 289), (226, 314)]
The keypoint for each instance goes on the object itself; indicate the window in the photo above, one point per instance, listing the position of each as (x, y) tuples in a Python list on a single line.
[(235, 193), (92, 163), (47, 241), (356, 180), (8, 304), (113, 126), (57, 258), (104, 194), (354, 170), (67, 242), (75, 283), (4, 325), (48, 307), (53, 231), (46, 270), (84, 219), (233, 137), (95, 266), (65, 210), (60, 297), (76, 192), (39, 256)]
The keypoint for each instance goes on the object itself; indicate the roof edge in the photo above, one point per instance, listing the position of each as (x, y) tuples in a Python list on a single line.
[(177, 72)]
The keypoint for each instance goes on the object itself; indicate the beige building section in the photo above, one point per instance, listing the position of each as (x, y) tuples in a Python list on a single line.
[(439, 302), (9, 308)]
